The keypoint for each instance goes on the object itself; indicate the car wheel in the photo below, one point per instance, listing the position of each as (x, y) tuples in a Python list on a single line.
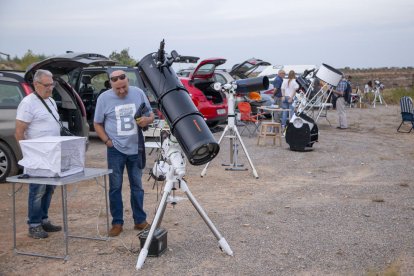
[(212, 124), (8, 164)]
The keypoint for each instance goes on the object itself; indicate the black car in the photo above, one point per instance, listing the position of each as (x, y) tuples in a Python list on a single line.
[(90, 82), (14, 86)]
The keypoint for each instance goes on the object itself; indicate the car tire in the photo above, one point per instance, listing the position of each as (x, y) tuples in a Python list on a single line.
[(8, 164), (213, 124)]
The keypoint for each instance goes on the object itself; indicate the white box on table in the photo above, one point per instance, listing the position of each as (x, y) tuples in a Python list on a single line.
[(53, 156)]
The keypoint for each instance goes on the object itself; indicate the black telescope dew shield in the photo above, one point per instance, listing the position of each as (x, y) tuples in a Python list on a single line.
[(186, 122), (245, 86)]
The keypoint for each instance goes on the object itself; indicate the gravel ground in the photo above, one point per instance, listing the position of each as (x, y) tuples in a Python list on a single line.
[(345, 208)]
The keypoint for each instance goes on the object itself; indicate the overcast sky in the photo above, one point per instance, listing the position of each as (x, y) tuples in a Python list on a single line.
[(354, 33)]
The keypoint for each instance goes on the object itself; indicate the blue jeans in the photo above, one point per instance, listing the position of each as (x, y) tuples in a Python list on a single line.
[(40, 196), (117, 161), (286, 105)]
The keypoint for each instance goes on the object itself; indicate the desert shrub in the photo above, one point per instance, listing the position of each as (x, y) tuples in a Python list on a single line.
[(393, 96)]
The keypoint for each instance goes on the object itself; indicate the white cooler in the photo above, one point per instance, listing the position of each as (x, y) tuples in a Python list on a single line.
[(53, 156)]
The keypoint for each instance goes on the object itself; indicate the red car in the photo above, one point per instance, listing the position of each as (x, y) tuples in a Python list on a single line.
[(199, 83)]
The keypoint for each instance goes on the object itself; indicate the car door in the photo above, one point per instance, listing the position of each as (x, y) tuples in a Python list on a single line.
[(12, 91), (70, 106), (245, 69)]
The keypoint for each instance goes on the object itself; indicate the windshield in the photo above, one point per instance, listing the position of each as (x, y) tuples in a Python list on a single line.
[(206, 69)]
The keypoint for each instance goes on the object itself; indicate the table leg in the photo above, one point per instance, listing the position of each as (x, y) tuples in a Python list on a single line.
[(14, 217), (107, 216), (106, 202), (65, 220), (16, 251)]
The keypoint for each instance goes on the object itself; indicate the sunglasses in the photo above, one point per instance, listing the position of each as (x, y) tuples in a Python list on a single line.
[(47, 85), (115, 78)]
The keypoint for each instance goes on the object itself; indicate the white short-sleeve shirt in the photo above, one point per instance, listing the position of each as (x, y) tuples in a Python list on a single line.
[(40, 122)]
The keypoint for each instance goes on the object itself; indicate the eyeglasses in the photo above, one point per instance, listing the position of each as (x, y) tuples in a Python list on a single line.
[(48, 85), (115, 78)]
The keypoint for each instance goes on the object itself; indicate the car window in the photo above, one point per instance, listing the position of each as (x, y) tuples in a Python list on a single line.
[(184, 74), (220, 78), (10, 95), (132, 77), (98, 82), (206, 69)]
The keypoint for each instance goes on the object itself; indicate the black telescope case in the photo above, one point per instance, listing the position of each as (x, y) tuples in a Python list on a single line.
[(186, 122)]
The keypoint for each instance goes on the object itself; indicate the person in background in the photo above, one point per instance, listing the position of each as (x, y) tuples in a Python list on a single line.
[(340, 103), (33, 120), (368, 87), (349, 83), (289, 89), (277, 84), (277, 92), (316, 88), (115, 125), (349, 80)]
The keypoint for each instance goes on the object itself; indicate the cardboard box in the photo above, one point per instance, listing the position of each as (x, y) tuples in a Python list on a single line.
[(53, 156)]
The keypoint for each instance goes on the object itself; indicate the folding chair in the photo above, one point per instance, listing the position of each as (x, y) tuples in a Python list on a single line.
[(247, 118), (407, 113)]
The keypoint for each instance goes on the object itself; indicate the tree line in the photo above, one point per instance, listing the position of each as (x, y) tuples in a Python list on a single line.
[(16, 63)]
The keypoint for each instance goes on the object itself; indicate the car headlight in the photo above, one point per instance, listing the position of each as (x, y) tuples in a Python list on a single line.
[(298, 123)]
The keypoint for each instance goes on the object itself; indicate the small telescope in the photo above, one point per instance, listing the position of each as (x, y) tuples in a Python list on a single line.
[(245, 86)]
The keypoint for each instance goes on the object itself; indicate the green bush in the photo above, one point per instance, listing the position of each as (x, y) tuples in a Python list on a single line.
[(393, 96)]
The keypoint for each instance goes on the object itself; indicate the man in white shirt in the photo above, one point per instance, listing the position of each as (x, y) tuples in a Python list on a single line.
[(33, 120)]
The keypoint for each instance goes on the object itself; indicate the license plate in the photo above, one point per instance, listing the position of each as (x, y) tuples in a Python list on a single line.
[(221, 111)]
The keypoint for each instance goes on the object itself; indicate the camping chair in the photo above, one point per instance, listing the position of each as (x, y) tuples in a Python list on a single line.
[(407, 113), (247, 119)]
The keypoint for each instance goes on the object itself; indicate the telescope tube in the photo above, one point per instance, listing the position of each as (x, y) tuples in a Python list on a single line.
[(245, 86), (186, 122)]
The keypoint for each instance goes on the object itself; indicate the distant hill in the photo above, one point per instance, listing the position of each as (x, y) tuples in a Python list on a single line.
[(390, 77)]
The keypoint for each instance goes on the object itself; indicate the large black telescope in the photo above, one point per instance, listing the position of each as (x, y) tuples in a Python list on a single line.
[(186, 122)]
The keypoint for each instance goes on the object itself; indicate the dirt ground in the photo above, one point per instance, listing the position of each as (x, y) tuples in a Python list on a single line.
[(345, 208)]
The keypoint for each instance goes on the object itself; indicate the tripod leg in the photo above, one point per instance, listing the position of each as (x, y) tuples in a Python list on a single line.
[(222, 241), (203, 173), (382, 100), (247, 154), (155, 223)]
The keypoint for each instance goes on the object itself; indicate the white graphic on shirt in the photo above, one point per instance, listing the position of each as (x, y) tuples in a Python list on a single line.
[(125, 123)]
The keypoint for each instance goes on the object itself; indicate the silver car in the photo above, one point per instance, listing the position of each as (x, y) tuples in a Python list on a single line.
[(14, 86)]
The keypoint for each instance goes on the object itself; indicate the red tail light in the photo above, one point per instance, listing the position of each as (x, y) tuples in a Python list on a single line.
[(27, 88)]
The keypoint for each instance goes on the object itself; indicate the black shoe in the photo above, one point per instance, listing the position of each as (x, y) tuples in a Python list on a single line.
[(49, 227), (37, 232)]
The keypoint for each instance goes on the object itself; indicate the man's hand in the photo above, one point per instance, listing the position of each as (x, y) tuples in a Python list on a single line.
[(144, 121)]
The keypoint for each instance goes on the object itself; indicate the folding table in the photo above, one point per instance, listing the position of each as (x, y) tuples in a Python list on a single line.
[(88, 173)]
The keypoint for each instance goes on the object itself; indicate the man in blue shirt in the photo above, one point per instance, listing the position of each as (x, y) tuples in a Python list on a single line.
[(277, 84), (339, 92), (115, 124), (277, 92)]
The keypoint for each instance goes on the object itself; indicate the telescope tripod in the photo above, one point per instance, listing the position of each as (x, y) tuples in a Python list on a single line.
[(172, 180), (378, 97), (233, 136)]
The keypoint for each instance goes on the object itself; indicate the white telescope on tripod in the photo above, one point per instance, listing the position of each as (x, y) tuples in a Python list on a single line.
[(239, 86)]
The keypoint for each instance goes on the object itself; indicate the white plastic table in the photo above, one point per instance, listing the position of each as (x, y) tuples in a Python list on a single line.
[(272, 110)]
